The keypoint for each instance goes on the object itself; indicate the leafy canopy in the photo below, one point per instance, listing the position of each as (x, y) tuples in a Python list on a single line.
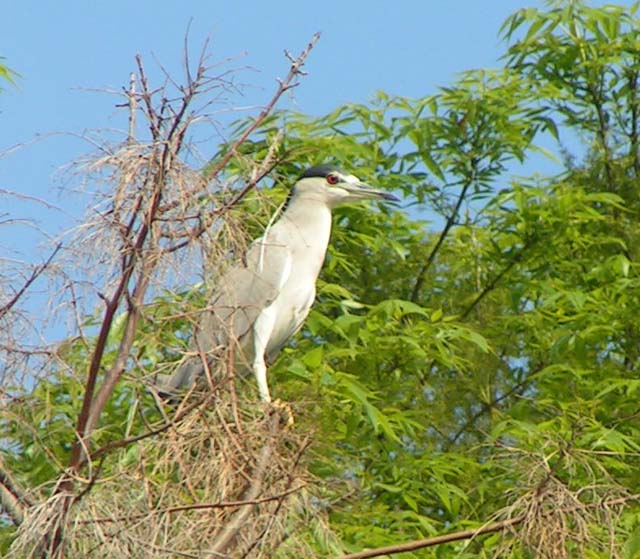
[(473, 355)]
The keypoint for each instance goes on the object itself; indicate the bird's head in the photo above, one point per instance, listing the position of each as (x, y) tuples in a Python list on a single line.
[(333, 186)]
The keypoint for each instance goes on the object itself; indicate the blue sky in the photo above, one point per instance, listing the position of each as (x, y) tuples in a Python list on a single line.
[(67, 52)]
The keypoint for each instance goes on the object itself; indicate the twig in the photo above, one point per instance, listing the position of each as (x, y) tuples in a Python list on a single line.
[(33, 277), (13, 498), (283, 87), (451, 220), (487, 406), (272, 517), (133, 107), (235, 524), (122, 443), (197, 506), (498, 277), (469, 534)]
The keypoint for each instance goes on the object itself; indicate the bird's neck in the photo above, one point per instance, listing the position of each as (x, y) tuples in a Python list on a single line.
[(306, 222)]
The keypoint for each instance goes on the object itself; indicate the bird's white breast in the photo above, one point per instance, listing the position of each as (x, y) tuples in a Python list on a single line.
[(305, 230)]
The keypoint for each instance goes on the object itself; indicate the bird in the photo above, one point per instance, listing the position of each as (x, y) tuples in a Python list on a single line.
[(262, 301)]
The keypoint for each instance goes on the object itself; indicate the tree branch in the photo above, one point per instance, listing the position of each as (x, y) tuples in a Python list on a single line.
[(470, 534), (198, 506), (488, 406), (451, 220), (4, 309), (497, 278), (229, 533), (13, 498), (284, 86)]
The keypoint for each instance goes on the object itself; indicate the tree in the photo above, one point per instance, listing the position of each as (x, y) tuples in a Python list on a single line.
[(474, 374)]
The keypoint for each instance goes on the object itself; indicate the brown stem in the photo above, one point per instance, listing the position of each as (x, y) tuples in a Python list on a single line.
[(468, 534), (272, 517), (229, 533), (197, 506), (4, 309), (451, 220), (13, 498), (285, 85)]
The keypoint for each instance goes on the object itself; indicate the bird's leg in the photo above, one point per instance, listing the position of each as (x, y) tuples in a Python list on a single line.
[(260, 370), (262, 330)]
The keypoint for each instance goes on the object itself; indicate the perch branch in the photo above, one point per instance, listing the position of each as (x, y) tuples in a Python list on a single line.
[(469, 534)]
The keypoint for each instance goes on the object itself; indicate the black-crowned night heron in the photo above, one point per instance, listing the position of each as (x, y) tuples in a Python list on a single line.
[(263, 301)]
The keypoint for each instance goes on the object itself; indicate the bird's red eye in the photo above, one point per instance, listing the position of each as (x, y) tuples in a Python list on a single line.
[(333, 179)]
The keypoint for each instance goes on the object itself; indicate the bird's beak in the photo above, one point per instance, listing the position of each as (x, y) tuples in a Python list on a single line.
[(361, 190)]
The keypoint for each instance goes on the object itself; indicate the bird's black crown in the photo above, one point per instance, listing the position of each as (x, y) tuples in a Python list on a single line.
[(321, 171)]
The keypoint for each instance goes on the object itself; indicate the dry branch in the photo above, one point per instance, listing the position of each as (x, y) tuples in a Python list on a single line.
[(154, 197), (285, 85), (35, 273), (501, 526), (13, 498), (230, 531), (200, 506)]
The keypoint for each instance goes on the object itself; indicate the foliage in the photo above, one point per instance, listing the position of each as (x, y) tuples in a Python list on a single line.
[(7, 73), (473, 356)]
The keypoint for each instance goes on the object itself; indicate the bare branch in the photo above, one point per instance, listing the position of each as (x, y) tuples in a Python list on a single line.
[(283, 87), (33, 277), (451, 221), (231, 529), (469, 534), (198, 506), (13, 498)]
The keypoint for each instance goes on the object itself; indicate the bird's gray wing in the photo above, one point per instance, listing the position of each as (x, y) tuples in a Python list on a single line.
[(240, 296), (243, 293)]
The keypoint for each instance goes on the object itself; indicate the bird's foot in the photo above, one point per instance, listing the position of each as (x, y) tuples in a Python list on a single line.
[(284, 410)]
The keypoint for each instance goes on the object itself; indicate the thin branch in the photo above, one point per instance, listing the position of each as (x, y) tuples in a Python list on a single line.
[(112, 304), (488, 406), (197, 506), (33, 277), (229, 533), (123, 443), (451, 220), (13, 498), (283, 87), (470, 534), (124, 349), (94, 366), (437, 540), (303, 447), (497, 278)]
